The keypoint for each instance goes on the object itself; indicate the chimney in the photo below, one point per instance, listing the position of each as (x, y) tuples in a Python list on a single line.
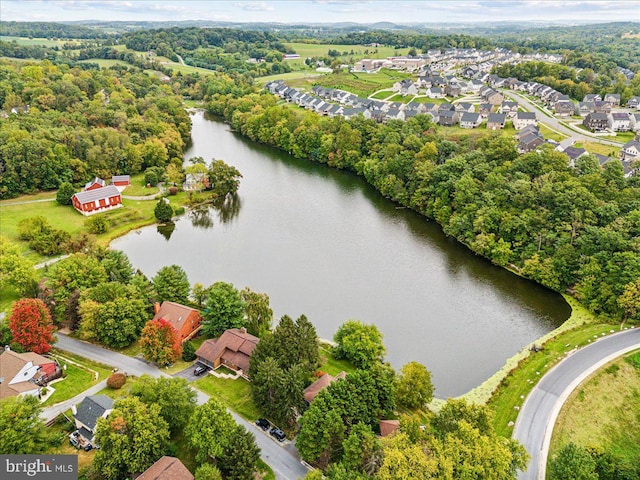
[(243, 329), (156, 308)]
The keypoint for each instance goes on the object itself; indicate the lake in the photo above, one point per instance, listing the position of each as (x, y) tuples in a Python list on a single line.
[(324, 243)]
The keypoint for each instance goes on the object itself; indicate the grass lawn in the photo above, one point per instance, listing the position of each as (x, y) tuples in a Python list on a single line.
[(623, 137), (579, 330), (63, 427), (307, 50), (603, 411), (382, 95), (37, 41), (363, 84), (435, 101), (181, 364), (138, 187), (402, 98), (8, 295), (332, 366), (595, 147), (551, 134), (302, 74), (103, 370), (76, 381), (235, 394), (105, 62)]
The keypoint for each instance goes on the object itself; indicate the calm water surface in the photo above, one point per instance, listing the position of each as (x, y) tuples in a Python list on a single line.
[(322, 242)]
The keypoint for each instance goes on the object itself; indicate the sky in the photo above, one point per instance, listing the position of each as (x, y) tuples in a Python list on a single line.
[(325, 11)]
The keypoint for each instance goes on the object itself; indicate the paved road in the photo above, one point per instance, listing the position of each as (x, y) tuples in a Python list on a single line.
[(53, 411), (538, 414), (284, 460), (554, 124)]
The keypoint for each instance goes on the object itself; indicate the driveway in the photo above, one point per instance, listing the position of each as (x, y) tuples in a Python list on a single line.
[(539, 413), (187, 373), (285, 462)]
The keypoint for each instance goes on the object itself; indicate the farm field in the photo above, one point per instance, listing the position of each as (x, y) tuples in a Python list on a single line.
[(104, 63), (306, 50), (362, 84), (36, 41)]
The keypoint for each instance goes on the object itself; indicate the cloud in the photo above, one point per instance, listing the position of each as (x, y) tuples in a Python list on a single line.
[(255, 6)]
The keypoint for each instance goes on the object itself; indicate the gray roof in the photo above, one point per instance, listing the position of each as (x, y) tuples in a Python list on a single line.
[(97, 180), (526, 115), (97, 194), (620, 116), (497, 118), (120, 178), (470, 117), (92, 408), (573, 152)]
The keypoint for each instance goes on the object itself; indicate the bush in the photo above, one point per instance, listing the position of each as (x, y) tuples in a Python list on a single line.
[(66, 191), (116, 380), (188, 352), (96, 224), (150, 178), (173, 190), (163, 211)]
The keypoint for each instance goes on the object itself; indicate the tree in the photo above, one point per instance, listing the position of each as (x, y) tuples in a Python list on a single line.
[(258, 311), (225, 310), (163, 211), (118, 323), (174, 174), (209, 430), (362, 451), (321, 434), (160, 342), (117, 266), (225, 179), (413, 386), (23, 431), (96, 224), (131, 439), (171, 284), (360, 343), (572, 463), (629, 301), (16, 270), (174, 396), (188, 352), (239, 460), (31, 326), (405, 459), (65, 192), (198, 294), (206, 471)]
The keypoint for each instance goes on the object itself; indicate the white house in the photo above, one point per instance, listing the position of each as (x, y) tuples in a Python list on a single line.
[(435, 92), (630, 150), (634, 120), (470, 120), (619, 121), (522, 119)]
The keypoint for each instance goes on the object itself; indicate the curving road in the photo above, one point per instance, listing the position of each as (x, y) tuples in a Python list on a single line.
[(539, 413), (282, 459)]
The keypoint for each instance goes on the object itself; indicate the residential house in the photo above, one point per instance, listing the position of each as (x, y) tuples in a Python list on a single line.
[(630, 151), (470, 120), (166, 468), (25, 373), (448, 118), (634, 122), (527, 130), (496, 121), (634, 102), (232, 349), (602, 159), (602, 107), (97, 200), (585, 108), (529, 142), (195, 181), (613, 99), (453, 90), (435, 92), (87, 413), (485, 109), (522, 119), (463, 107), (394, 114), (320, 384), (186, 321), (94, 184), (492, 96), (596, 122), (592, 97), (508, 108), (389, 427), (565, 108), (619, 121), (121, 180), (574, 153), (405, 87)]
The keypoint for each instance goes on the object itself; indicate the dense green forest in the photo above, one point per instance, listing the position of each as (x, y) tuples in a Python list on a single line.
[(83, 123), (48, 30), (567, 228)]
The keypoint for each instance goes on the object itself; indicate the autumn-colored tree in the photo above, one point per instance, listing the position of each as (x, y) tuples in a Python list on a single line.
[(31, 326), (160, 342)]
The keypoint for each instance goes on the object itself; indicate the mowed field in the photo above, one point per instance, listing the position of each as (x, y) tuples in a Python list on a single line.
[(36, 41), (604, 411), (306, 50)]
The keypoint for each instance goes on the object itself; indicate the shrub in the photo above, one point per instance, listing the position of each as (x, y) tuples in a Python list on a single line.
[(163, 211), (96, 224), (66, 191), (188, 352), (173, 190), (151, 178), (116, 380)]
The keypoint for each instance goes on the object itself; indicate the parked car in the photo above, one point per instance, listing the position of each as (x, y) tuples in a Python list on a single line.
[(74, 440), (263, 423), (277, 434), (200, 369)]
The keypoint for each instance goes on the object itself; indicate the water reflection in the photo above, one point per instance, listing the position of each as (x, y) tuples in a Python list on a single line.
[(227, 211), (201, 217), (166, 230)]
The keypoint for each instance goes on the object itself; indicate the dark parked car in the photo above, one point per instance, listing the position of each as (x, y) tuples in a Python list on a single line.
[(200, 369), (263, 423), (277, 434)]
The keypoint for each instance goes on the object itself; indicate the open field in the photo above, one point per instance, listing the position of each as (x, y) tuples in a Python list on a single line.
[(235, 394), (603, 411), (105, 63), (138, 188), (361, 84), (551, 134), (37, 41), (308, 74), (307, 50), (595, 147)]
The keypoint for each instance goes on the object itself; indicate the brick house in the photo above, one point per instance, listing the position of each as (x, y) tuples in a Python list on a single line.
[(596, 122), (232, 349), (185, 320)]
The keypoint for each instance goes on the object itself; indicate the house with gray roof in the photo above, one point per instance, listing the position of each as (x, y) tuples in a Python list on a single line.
[(522, 119), (596, 122), (496, 121), (87, 413), (97, 200), (574, 153), (613, 99), (619, 121), (470, 120)]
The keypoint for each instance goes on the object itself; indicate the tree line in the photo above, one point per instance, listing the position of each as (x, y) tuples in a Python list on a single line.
[(570, 229)]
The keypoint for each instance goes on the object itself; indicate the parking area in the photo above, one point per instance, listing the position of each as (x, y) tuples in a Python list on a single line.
[(187, 373)]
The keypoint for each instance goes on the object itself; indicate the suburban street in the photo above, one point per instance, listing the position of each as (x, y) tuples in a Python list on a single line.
[(539, 413), (554, 124), (284, 460)]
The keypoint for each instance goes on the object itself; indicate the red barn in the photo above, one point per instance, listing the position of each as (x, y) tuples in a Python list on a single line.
[(185, 320), (121, 180), (94, 184), (97, 200)]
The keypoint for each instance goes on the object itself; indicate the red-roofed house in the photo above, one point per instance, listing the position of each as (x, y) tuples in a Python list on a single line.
[(185, 320), (121, 180), (97, 200), (167, 468), (232, 349), (323, 382)]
